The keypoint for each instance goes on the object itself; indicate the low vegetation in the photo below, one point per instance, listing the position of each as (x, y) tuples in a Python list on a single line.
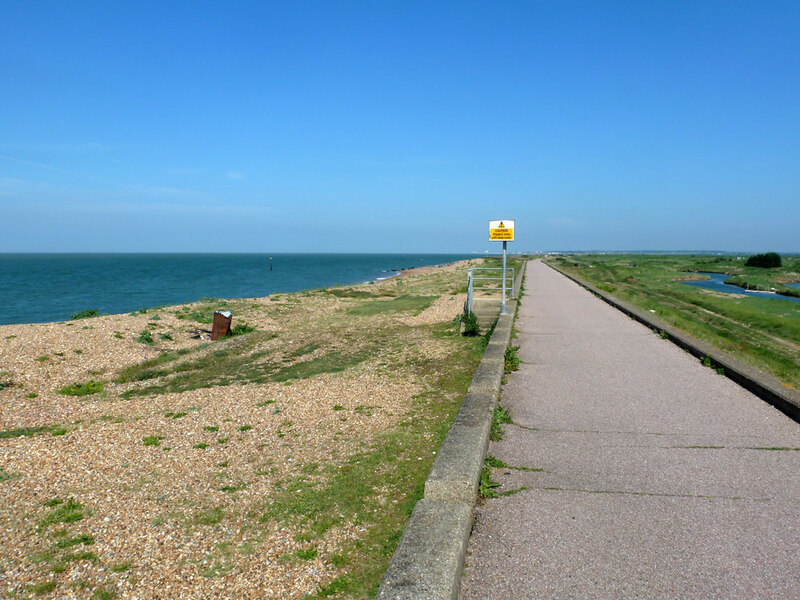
[(85, 314), (407, 303), (297, 446), (763, 332), (83, 389), (511, 362)]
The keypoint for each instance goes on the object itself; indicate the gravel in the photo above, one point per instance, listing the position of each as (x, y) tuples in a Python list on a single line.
[(161, 524)]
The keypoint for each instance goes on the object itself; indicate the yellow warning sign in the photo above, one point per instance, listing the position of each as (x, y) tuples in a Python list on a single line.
[(501, 231)]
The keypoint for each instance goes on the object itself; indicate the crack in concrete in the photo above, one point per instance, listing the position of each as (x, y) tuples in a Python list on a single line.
[(653, 494)]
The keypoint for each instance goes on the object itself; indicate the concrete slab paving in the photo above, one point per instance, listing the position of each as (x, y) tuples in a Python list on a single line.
[(644, 474)]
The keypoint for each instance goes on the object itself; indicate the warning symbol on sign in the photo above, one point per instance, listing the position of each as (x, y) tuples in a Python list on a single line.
[(501, 231)]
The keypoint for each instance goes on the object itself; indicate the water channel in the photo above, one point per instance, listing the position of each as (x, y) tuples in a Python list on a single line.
[(717, 283)]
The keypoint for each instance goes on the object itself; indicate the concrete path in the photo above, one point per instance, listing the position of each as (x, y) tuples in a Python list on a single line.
[(660, 478)]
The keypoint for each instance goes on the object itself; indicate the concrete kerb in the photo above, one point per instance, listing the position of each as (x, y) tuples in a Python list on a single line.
[(429, 559), (764, 386)]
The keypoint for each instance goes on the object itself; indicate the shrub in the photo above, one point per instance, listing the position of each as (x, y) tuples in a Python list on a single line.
[(241, 329), (85, 314), (470, 322), (765, 261)]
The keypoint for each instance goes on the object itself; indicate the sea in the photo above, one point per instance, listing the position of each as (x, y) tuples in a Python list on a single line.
[(36, 288)]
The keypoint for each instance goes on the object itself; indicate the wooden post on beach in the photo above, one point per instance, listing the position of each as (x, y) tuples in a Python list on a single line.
[(222, 324)]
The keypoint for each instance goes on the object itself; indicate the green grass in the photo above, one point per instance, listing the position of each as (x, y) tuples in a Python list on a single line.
[(148, 369), (347, 292), (6, 476), (762, 332), (303, 350), (300, 555), (413, 304), (209, 516), (83, 389), (64, 512), (40, 589), (233, 363), (25, 431), (332, 362), (68, 542)]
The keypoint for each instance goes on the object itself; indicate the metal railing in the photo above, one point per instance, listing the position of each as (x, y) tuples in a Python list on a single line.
[(472, 277)]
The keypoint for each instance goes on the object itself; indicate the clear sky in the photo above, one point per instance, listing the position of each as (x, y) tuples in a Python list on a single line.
[(398, 126)]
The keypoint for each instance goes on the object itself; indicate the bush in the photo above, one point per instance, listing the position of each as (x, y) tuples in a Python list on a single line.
[(85, 314), (145, 337), (765, 261), (241, 329), (470, 322)]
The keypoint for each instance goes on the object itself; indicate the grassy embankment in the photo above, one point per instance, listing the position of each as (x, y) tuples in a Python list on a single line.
[(762, 332), (361, 480)]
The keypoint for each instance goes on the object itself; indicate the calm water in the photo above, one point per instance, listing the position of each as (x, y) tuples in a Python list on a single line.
[(51, 287), (717, 283)]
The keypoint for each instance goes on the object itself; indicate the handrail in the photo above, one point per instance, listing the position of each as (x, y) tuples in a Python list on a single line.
[(472, 278)]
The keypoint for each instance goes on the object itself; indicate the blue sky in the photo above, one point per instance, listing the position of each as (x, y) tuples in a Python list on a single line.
[(398, 126)]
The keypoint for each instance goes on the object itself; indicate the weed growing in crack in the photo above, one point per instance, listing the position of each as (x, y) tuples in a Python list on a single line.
[(499, 418)]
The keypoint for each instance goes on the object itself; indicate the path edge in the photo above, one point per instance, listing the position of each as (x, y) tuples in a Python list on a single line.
[(766, 387), (429, 559)]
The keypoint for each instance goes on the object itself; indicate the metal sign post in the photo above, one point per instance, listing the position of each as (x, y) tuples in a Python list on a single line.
[(503, 302), (502, 231)]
